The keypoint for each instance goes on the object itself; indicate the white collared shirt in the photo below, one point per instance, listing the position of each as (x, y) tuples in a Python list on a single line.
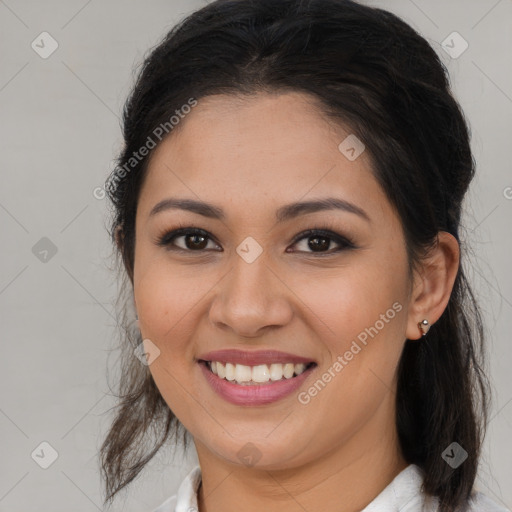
[(403, 494)]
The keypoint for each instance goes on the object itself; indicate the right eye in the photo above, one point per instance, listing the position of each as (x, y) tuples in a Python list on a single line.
[(194, 240)]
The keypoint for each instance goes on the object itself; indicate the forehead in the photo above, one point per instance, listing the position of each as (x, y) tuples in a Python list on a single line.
[(258, 151)]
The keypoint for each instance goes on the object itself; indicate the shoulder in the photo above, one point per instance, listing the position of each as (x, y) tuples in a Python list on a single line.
[(168, 505), (481, 503)]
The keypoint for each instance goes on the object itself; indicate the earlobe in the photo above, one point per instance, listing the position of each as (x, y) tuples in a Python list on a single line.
[(424, 326), (433, 286)]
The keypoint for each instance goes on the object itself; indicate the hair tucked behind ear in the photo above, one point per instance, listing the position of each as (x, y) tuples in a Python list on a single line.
[(372, 72)]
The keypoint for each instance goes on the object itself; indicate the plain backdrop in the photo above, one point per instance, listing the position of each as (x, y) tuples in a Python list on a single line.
[(60, 132)]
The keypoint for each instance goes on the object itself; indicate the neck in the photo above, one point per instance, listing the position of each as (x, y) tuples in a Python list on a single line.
[(347, 478)]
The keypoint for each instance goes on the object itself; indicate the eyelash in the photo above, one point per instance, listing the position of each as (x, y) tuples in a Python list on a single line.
[(166, 240)]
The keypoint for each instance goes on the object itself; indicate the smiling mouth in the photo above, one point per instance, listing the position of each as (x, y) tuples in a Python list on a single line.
[(256, 375)]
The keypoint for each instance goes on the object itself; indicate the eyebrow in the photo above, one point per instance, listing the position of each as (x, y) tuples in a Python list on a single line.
[(283, 214)]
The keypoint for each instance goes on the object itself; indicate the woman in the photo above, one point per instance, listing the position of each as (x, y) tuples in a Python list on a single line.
[(287, 210)]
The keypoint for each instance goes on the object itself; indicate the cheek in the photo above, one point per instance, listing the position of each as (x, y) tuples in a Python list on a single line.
[(163, 303), (360, 317), (162, 295), (347, 302), (166, 303)]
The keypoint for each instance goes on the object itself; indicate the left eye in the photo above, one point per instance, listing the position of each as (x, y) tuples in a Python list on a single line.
[(318, 240), (196, 240)]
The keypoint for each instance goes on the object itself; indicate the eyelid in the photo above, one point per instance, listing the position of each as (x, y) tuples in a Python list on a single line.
[(341, 240), (324, 229), (170, 235)]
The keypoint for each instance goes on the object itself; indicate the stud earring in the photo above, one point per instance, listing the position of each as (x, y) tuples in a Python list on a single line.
[(424, 327)]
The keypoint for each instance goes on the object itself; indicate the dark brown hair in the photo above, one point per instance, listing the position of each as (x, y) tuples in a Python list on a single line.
[(370, 71)]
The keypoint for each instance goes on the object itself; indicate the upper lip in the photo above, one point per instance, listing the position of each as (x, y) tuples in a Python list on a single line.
[(253, 358)]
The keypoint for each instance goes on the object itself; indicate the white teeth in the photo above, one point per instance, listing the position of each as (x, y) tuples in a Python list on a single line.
[(276, 371), (251, 375), (299, 368), (243, 373), (288, 370), (221, 369), (260, 373), (230, 371)]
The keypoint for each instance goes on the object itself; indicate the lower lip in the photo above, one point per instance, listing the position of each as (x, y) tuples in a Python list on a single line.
[(259, 394)]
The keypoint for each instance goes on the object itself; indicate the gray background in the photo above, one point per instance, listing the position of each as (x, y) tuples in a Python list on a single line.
[(59, 134)]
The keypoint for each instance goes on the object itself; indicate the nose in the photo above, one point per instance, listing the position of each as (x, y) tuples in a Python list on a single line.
[(251, 299)]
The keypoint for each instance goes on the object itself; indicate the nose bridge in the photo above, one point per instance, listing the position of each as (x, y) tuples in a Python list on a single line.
[(250, 277), (251, 296)]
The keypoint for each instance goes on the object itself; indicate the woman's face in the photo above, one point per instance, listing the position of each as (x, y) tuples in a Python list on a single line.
[(252, 286)]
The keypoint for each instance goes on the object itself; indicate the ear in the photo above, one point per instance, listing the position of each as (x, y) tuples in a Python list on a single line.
[(433, 284)]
